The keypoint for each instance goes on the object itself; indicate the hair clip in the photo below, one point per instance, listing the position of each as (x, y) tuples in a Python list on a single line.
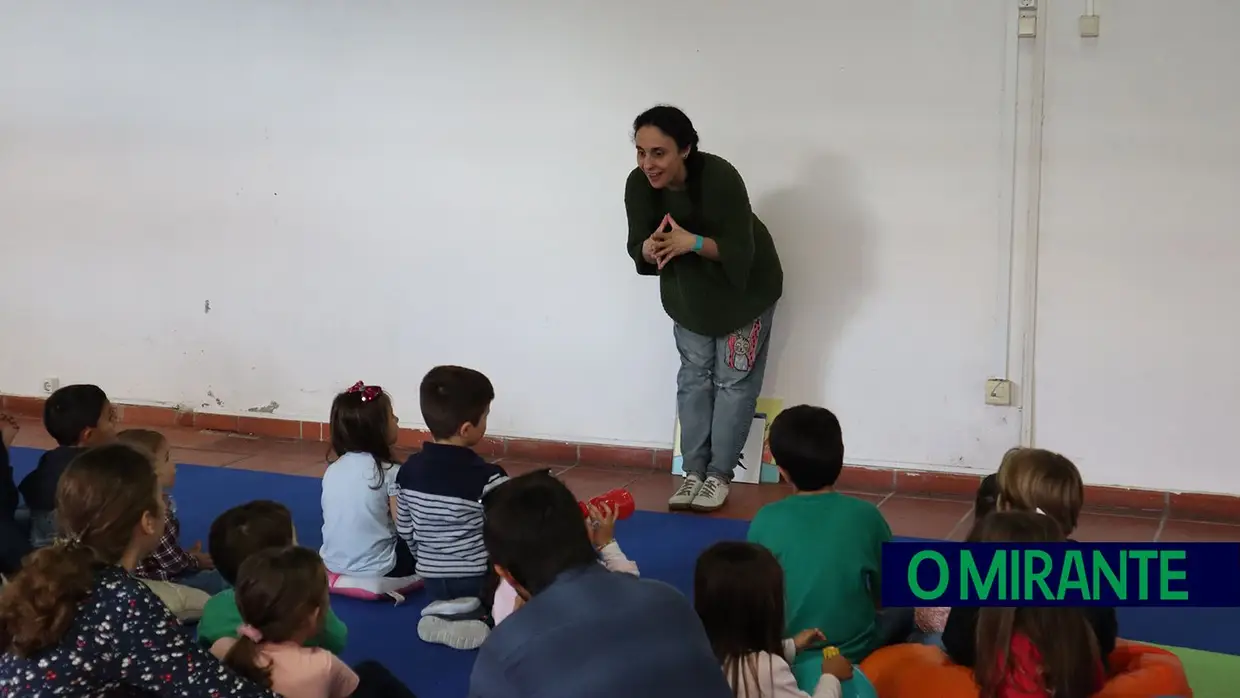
[(70, 541), (249, 631), (369, 392), (1038, 510)]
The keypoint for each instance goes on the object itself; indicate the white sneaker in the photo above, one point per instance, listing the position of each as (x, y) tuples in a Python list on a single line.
[(683, 499), (455, 607), (711, 496), (457, 634)]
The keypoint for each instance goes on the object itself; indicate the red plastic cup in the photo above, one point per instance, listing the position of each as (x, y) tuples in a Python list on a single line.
[(620, 500)]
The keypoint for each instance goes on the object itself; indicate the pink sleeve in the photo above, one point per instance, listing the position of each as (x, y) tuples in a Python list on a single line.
[(931, 620), (343, 680), (505, 600)]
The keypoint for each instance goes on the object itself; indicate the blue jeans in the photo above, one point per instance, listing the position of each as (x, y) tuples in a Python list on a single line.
[(448, 588), (924, 638), (717, 391), (14, 545), (42, 529), (210, 581)]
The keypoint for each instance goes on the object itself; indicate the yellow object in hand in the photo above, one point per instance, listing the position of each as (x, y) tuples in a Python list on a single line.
[(829, 652)]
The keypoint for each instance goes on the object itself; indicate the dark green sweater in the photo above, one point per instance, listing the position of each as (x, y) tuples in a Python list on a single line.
[(704, 296)]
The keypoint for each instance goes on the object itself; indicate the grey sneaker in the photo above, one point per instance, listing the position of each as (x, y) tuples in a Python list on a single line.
[(711, 496), (683, 499), (457, 634)]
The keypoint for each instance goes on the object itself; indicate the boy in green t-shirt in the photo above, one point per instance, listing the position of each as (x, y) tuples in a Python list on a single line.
[(236, 535), (829, 544)]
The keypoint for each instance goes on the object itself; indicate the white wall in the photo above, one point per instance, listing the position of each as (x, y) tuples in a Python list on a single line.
[(362, 190), (1137, 328)]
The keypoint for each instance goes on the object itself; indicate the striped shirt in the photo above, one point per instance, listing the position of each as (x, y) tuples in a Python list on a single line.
[(439, 509)]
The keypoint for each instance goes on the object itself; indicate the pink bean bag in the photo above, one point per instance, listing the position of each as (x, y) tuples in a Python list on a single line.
[(373, 588)]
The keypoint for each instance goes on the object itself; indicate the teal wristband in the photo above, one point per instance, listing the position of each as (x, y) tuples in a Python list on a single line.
[(697, 244)]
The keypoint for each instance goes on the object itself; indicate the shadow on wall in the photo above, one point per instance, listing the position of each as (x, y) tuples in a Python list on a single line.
[(824, 237)]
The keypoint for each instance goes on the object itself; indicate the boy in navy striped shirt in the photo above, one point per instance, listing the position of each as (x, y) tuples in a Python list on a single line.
[(439, 505)]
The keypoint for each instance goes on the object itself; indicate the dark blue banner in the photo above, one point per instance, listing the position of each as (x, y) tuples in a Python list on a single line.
[(933, 573)]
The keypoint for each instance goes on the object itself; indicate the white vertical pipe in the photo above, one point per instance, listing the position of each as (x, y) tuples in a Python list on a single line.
[(1032, 223), (1000, 354)]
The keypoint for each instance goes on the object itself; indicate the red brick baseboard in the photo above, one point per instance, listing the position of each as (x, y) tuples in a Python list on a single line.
[(1180, 505)]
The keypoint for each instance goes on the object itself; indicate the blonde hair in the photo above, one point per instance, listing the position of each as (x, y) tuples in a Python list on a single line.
[(1037, 480), (148, 440)]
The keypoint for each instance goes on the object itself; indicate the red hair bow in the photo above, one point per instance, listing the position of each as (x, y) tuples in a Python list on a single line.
[(369, 392)]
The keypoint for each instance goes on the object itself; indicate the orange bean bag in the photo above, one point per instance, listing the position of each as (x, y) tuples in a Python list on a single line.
[(914, 671)]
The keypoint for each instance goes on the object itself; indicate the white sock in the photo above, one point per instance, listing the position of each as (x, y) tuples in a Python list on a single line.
[(457, 634), (455, 607)]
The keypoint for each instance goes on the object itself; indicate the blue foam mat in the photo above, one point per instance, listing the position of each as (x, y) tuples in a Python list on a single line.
[(663, 545)]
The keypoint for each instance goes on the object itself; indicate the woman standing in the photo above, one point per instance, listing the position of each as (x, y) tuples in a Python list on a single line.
[(690, 223)]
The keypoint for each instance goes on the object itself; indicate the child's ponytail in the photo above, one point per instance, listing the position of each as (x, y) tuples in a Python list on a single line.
[(243, 657), (37, 607), (279, 592), (102, 496)]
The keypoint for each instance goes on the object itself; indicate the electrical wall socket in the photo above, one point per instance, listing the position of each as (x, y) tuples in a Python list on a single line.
[(1028, 25), (1089, 26), (999, 392), (50, 385)]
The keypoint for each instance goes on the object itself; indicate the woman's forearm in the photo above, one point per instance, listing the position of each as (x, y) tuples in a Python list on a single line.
[(710, 250)]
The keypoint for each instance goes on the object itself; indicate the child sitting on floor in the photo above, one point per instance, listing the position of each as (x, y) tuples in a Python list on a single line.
[(170, 562), (237, 535), (14, 538), (1040, 482), (1031, 652), (602, 527), (738, 591), (931, 621), (282, 595), (359, 489), (829, 544), (77, 417), (439, 506)]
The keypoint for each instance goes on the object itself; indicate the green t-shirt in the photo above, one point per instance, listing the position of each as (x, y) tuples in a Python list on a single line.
[(830, 546), (220, 619), (711, 298)]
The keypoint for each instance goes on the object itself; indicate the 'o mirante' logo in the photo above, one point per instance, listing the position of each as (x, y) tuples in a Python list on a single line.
[(1068, 574)]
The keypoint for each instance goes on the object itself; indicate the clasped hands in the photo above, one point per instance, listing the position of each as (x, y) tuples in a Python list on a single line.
[(665, 245)]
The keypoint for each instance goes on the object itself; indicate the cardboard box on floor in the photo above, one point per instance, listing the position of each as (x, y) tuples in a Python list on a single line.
[(754, 452)]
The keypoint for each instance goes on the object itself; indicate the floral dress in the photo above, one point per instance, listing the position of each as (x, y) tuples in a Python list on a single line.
[(123, 642)]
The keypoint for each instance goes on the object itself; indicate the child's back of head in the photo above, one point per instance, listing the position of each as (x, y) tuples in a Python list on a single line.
[(282, 596), (364, 421), (246, 530), (738, 592), (1034, 479), (984, 502), (808, 446), (455, 402), (148, 440), (80, 415), (156, 444), (1070, 665)]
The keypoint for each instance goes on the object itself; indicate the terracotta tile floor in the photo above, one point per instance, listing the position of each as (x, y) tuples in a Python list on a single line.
[(927, 517)]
